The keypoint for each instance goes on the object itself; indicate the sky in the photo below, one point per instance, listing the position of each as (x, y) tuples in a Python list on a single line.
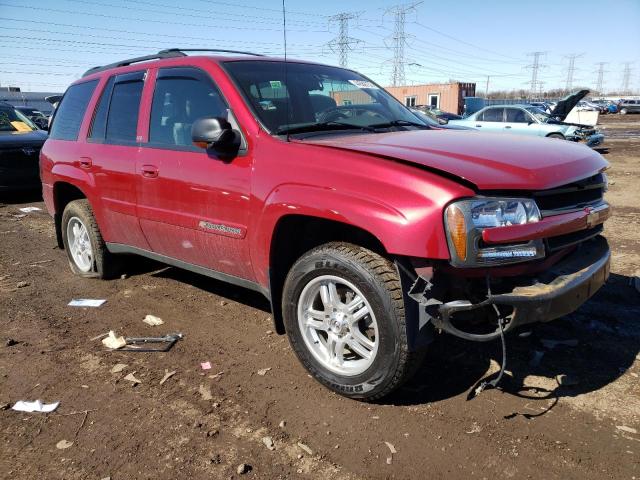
[(45, 45)]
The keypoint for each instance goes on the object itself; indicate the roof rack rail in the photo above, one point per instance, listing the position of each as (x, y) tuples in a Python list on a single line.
[(163, 54), (217, 50), (167, 53)]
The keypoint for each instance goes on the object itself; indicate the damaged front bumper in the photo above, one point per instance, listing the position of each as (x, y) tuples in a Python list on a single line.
[(550, 295), (590, 139)]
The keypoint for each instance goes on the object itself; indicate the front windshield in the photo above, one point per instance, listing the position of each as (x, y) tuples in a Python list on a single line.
[(13, 121), (307, 96), (540, 115)]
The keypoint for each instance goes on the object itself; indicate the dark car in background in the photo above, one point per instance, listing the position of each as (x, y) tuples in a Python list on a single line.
[(440, 116), (35, 115), (20, 144)]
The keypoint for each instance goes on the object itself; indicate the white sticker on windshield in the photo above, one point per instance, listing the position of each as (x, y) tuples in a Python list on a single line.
[(363, 84)]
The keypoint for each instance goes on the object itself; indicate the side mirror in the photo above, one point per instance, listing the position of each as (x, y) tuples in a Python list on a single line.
[(215, 134)]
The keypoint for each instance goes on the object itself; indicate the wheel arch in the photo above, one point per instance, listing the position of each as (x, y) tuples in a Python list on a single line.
[(63, 194), (294, 235)]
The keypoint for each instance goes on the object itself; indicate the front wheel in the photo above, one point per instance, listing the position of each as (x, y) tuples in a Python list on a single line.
[(557, 136), (344, 314)]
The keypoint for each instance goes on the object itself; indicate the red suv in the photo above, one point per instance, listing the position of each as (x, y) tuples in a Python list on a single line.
[(368, 230)]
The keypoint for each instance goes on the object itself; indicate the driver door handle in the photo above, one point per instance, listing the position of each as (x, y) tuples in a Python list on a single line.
[(478, 125), (507, 126)]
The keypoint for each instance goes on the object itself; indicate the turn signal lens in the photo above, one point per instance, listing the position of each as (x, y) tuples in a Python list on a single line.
[(457, 231)]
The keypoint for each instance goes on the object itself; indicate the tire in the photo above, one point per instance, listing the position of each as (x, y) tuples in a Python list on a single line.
[(90, 257), (624, 111), (557, 136), (380, 360)]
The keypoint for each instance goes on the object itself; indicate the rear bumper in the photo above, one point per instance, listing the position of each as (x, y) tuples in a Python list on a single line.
[(555, 293)]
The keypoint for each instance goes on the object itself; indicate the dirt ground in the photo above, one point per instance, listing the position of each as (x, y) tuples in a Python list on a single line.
[(205, 423)]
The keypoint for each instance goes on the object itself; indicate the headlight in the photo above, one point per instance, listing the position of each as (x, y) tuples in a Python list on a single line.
[(466, 219)]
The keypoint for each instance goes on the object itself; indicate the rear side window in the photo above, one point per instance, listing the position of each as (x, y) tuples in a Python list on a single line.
[(122, 121), (69, 115), (492, 115), (515, 115), (99, 124)]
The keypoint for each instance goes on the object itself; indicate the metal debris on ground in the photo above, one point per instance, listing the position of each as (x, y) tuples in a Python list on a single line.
[(35, 406), (167, 375), (29, 209), (205, 392), (153, 320), (305, 448), (118, 367), (22, 284), (268, 442), (86, 302), (263, 371), (624, 428), (205, 365), (132, 378), (62, 444), (114, 342), (393, 450), (133, 342)]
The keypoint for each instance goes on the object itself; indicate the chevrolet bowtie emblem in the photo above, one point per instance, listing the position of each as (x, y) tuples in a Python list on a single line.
[(592, 217)]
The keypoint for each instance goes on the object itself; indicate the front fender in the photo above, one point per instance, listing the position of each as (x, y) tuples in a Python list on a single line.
[(413, 226)]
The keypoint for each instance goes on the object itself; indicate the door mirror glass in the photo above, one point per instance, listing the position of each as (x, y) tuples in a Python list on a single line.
[(216, 134)]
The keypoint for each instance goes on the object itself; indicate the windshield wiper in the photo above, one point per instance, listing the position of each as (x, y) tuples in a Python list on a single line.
[(398, 123), (323, 126)]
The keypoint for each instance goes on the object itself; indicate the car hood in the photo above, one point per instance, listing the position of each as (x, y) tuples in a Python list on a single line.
[(22, 139), (488, 161), (565, 105)]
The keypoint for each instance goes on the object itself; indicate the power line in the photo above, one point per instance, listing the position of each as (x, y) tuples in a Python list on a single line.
[(343, 42), (219, 25), (463, 42)]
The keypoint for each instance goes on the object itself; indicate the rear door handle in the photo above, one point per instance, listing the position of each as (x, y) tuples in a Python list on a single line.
[(478, 125), (507, 126), (85, 162), (150, 171)]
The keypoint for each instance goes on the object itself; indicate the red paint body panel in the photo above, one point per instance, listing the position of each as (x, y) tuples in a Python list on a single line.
[(489, 161), (393, 185), (547, 227)]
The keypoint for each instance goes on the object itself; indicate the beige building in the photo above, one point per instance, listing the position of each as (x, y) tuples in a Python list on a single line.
[(445, 96)]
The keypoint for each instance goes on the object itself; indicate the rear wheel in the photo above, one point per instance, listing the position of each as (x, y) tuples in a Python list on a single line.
[(86, 250), (344, 314), (624, 111)]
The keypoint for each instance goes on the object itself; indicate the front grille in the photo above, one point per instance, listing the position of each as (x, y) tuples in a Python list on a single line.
[(573, 238), (572, 197)]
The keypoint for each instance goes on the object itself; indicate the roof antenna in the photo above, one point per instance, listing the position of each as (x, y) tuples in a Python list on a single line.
[(286, 83)]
